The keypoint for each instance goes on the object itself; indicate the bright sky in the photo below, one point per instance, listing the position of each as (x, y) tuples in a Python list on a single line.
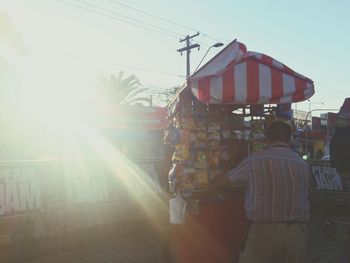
[(71, 47)]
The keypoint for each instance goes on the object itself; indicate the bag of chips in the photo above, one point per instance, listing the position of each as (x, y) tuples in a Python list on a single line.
[(214, 158), (215, 136), (214, 126), (214, 144), (201, 178), (201, 135), (187, 186), (188, 123), (226, 134), (182, 152), (201, 159), (201, 125), (185, 136)]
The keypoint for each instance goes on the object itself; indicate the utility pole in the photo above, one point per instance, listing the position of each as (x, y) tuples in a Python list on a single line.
[(188, 48)]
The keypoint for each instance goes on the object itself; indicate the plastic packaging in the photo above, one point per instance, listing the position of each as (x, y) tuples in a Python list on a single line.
[(177, 209)]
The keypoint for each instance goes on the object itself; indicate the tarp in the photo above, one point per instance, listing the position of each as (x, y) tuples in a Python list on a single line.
[(238, 76)]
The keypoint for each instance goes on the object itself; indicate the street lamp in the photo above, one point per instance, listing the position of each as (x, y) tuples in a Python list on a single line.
[(314, 103), (219, 44)]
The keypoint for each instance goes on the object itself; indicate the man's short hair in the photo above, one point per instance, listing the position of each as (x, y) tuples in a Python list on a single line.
[(279, 131)]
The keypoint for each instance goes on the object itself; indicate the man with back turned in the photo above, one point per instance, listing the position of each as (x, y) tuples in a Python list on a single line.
[(276, 184)]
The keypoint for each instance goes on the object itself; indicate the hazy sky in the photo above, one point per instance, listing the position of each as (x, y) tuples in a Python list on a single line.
[(70, 47)]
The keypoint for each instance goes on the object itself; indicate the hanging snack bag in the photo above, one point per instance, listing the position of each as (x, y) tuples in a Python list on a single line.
[(213, 144), (201, 178), (258, 135), (201, 124), (247, 134), (176, 120), (214, 126), (214, 158), (187, 178), (186, 171), (225, 134), (201, 135), (182, 152), (215, 136), (237, 134), (187, 186), (213, 173), (200, 145), (201, 159), (185, 136), (188, 123)]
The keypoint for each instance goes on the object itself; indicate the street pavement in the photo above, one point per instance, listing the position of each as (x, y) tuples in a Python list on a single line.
[(142, 247), (322, 249), (147, 247)]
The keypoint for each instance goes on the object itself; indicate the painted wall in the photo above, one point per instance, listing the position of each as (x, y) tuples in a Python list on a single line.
[(39, 199)]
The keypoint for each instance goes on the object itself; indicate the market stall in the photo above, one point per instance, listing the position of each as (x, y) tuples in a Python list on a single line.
[(218, 118)]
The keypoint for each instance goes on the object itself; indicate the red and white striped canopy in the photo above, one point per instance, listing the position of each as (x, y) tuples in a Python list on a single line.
[(235, 76)]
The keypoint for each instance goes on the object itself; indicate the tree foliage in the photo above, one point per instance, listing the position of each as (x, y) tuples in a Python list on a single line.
[(122, 90)]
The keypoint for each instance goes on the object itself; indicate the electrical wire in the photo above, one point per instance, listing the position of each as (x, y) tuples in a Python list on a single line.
[(157, 93), (331, 91), (130, 18), (166, 20), (139, 23), (157, 88), (73, 56), (117, 19), (178, 35)]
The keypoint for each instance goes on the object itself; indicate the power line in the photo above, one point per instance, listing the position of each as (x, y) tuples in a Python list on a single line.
[(153, 71), (158, 92), (157, 89), (152, 15), (120, 65), (175, 34), (141, 24), (117, 19), (165, 20), (325, 88), (128, 17)]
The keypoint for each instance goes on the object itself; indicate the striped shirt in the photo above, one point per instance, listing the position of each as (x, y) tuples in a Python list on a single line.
[(277, 185)]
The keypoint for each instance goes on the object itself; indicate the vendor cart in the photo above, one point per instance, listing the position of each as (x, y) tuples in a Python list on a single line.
[(217, 119)]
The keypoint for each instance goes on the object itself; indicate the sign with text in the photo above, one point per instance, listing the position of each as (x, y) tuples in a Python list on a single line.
[(325, 177)]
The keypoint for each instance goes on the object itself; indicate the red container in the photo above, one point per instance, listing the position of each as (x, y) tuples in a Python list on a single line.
[(214, 235)]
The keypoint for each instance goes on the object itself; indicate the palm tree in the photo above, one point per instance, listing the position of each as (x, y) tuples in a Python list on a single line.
[(119, 90)]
